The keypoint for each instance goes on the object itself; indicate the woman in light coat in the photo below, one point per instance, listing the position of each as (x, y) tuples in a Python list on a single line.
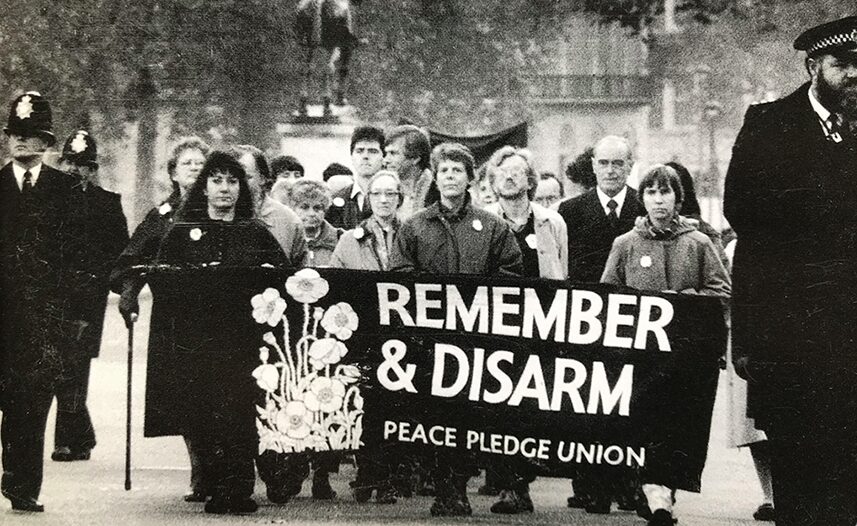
[(367, 247)]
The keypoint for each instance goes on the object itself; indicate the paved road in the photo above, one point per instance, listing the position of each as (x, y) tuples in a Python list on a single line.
[(92, 493)]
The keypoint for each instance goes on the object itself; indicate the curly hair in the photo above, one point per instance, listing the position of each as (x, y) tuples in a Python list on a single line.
[(182, 145), (195, 207)]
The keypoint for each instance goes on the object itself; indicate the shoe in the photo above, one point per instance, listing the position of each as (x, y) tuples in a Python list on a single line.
[(386, 495), (67, 454), (488, 490), (195, 495), (512, 502), (425, 489), (278, 496), (576, 502), (321, 489), (662, 517), (455, 506), (28, 504), (222, 505), (765, 512), (599, 506), (243, 505)]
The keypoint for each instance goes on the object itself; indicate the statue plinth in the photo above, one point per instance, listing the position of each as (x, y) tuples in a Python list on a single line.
[(315, 114), (316, 139)]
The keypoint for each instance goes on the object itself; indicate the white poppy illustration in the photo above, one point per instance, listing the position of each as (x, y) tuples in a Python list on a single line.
[(340, 320), (294, 420), (326, 351), (268, 307), (307, 286), (267, 377), (325, 395)]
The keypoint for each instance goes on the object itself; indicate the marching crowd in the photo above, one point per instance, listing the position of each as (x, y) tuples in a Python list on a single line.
[(406, 207)]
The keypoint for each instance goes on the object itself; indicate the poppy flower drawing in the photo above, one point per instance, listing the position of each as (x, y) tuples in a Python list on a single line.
[(294, 420), (325, 395), (340, 320), (307, 286), (268, 307)]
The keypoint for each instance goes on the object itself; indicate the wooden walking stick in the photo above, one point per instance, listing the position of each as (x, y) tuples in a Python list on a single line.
[(128, 404)]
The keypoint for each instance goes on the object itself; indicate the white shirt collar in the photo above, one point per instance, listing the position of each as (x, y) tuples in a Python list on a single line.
[(619, 198), (823, 113), (19, 170)]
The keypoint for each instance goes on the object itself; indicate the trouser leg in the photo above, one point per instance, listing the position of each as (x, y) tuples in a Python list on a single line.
[(22, 432), (814, 479), (73, 425)]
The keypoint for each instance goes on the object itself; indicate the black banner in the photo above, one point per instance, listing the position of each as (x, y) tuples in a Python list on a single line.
[(526, 368)]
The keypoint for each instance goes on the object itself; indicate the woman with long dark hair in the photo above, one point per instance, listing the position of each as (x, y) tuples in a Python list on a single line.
[(199, 381)]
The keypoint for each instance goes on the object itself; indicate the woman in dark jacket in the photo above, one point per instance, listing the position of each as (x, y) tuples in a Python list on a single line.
[(199, 381), (183, 166)]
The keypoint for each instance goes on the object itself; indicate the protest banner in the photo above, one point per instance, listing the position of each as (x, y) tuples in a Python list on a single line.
[(535, 369)]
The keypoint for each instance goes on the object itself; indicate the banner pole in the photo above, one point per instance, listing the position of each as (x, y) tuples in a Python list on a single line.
[(128, 404)]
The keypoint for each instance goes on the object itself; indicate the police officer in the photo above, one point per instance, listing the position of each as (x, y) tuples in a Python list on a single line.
[(38, 236), (791, 196), (106, 235)]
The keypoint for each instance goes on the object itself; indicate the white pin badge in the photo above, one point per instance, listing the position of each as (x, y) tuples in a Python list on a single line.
[(165, 209), (646, 261), (477, 225), (531, 241), (196, 234), (338, 202), (359, 233)]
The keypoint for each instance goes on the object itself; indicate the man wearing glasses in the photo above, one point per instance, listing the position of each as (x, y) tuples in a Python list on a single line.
[(596, 217)]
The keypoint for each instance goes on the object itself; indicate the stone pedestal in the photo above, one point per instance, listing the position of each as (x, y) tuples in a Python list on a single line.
[(317, 140)]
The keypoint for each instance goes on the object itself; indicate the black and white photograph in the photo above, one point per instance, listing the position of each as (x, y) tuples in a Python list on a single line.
[(514, 262)]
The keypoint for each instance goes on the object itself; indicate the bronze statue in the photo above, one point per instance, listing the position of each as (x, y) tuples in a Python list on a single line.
[(326, 24)]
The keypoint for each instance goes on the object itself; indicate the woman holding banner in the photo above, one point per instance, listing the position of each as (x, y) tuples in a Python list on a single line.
[(665, 252), (367, 247), (199, 383)]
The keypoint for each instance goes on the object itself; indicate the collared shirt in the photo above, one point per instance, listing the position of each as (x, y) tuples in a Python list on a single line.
[(826, 119), (19, 170), (619, 198), (355, 191)]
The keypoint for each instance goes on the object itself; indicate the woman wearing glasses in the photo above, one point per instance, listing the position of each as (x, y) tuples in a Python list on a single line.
[(367, 247)]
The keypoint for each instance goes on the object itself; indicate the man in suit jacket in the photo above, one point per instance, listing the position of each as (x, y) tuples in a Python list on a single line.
[(38, 254), (350, 205), (106, 235), (596, 217), (791, 196)]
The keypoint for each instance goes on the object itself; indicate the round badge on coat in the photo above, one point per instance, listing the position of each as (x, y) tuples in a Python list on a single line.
[(165, 209), (338, 202), (531, 241), (477, 225), (646, 261), (196, 234), (359, 233)]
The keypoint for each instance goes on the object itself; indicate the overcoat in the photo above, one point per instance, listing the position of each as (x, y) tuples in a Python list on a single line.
[(200, 355), (40, 256), (106, 236), (791, 196)]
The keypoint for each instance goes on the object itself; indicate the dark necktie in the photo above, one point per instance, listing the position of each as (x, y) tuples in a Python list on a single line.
[(612, 216), (27, 187)]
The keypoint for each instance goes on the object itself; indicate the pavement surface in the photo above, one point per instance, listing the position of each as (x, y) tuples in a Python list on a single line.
[(92, 492)]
